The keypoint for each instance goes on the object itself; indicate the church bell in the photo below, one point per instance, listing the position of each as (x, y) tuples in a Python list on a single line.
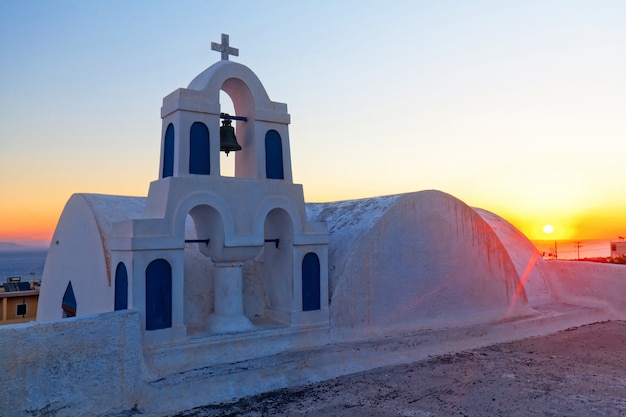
[(228, 141)]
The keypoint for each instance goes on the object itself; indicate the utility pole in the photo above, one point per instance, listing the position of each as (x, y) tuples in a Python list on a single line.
[(556, 252), (578, 245)]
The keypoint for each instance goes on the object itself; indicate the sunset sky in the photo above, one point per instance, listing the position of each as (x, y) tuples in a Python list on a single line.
[(517, 107)]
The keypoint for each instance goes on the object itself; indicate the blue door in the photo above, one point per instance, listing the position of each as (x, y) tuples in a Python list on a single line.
[(310, 282), (69, 304), (199, 151), (158, 295), (121, 287), (274, 156)]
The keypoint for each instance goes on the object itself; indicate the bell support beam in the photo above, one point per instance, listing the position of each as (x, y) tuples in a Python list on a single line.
[(227, 116), (205, 241)]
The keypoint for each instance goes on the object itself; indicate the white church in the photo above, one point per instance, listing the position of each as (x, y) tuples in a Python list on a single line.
[(203, 253), (214, 287)]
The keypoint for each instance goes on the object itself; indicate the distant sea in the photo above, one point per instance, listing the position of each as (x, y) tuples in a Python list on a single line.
[(25, 263), (28, 263)]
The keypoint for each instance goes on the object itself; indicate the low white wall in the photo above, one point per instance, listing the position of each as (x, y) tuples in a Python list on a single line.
[(590, 284), (93, 365), (80, 366)]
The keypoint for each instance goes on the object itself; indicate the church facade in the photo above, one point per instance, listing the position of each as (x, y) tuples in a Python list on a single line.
[(203, 253)]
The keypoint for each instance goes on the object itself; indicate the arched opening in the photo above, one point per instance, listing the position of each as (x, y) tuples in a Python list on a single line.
[(168, 152), (274, 156), (278, 262), (310, 282), (69, 304), (121, 287), (199, 150), (158, 295), (227, 162), (203, 228)]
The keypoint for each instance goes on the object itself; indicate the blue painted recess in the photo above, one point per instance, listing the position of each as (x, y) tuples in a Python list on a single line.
[(121, 287), (310, 282), (168, 152), (199, 151), (274, 156), (158, 295), (69, 304)]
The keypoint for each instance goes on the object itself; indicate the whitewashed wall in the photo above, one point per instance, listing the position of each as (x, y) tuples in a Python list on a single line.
[(590, 284), (94, 365), (81, 366)]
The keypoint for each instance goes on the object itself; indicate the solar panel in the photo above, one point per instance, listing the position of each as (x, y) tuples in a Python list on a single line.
[(16, 286)]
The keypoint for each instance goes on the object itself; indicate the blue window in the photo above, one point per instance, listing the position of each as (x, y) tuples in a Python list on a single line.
[(121, 287), (199, 153), (158, 295), (69, 304), (274, 156), (310, 282), (168, 152)]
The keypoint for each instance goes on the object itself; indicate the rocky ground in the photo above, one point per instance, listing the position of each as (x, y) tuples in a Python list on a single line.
[(576, 372)]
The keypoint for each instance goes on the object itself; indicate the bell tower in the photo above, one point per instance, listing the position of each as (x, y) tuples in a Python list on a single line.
[(217, 254), (194, 126)]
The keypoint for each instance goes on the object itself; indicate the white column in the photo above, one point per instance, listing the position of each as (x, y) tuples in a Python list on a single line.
[(228, 316)]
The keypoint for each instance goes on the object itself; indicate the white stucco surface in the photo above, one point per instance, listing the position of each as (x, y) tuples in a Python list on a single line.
[(79, 253), (347, 221), (590, 284), (529, 264), (86, 366), (411, 260)]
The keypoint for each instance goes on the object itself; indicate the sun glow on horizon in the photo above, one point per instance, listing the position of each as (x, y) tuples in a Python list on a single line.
[(497, 135)]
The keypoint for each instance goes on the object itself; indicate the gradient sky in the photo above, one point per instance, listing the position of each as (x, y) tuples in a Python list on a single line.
[(518, 107)]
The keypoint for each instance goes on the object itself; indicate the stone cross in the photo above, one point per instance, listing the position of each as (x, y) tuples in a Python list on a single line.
[(224, 48)]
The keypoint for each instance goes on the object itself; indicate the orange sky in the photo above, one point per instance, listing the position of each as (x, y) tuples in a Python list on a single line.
[(514, 107)]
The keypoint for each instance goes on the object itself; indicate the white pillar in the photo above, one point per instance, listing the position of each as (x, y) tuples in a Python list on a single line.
[(228, 316)]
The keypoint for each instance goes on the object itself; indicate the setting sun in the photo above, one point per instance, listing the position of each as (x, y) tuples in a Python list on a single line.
[(114, 145), (548, 229)]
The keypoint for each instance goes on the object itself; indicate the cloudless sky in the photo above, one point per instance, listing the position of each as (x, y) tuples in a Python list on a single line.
[(518, 107)]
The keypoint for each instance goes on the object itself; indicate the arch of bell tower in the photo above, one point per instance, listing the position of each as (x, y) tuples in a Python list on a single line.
[(199, 103)]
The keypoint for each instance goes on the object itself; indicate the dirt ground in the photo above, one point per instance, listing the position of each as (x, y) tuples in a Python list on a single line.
[(576, 372)]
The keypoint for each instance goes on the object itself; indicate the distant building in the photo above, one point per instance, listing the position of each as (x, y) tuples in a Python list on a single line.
[(618, 248), (19, 301)]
